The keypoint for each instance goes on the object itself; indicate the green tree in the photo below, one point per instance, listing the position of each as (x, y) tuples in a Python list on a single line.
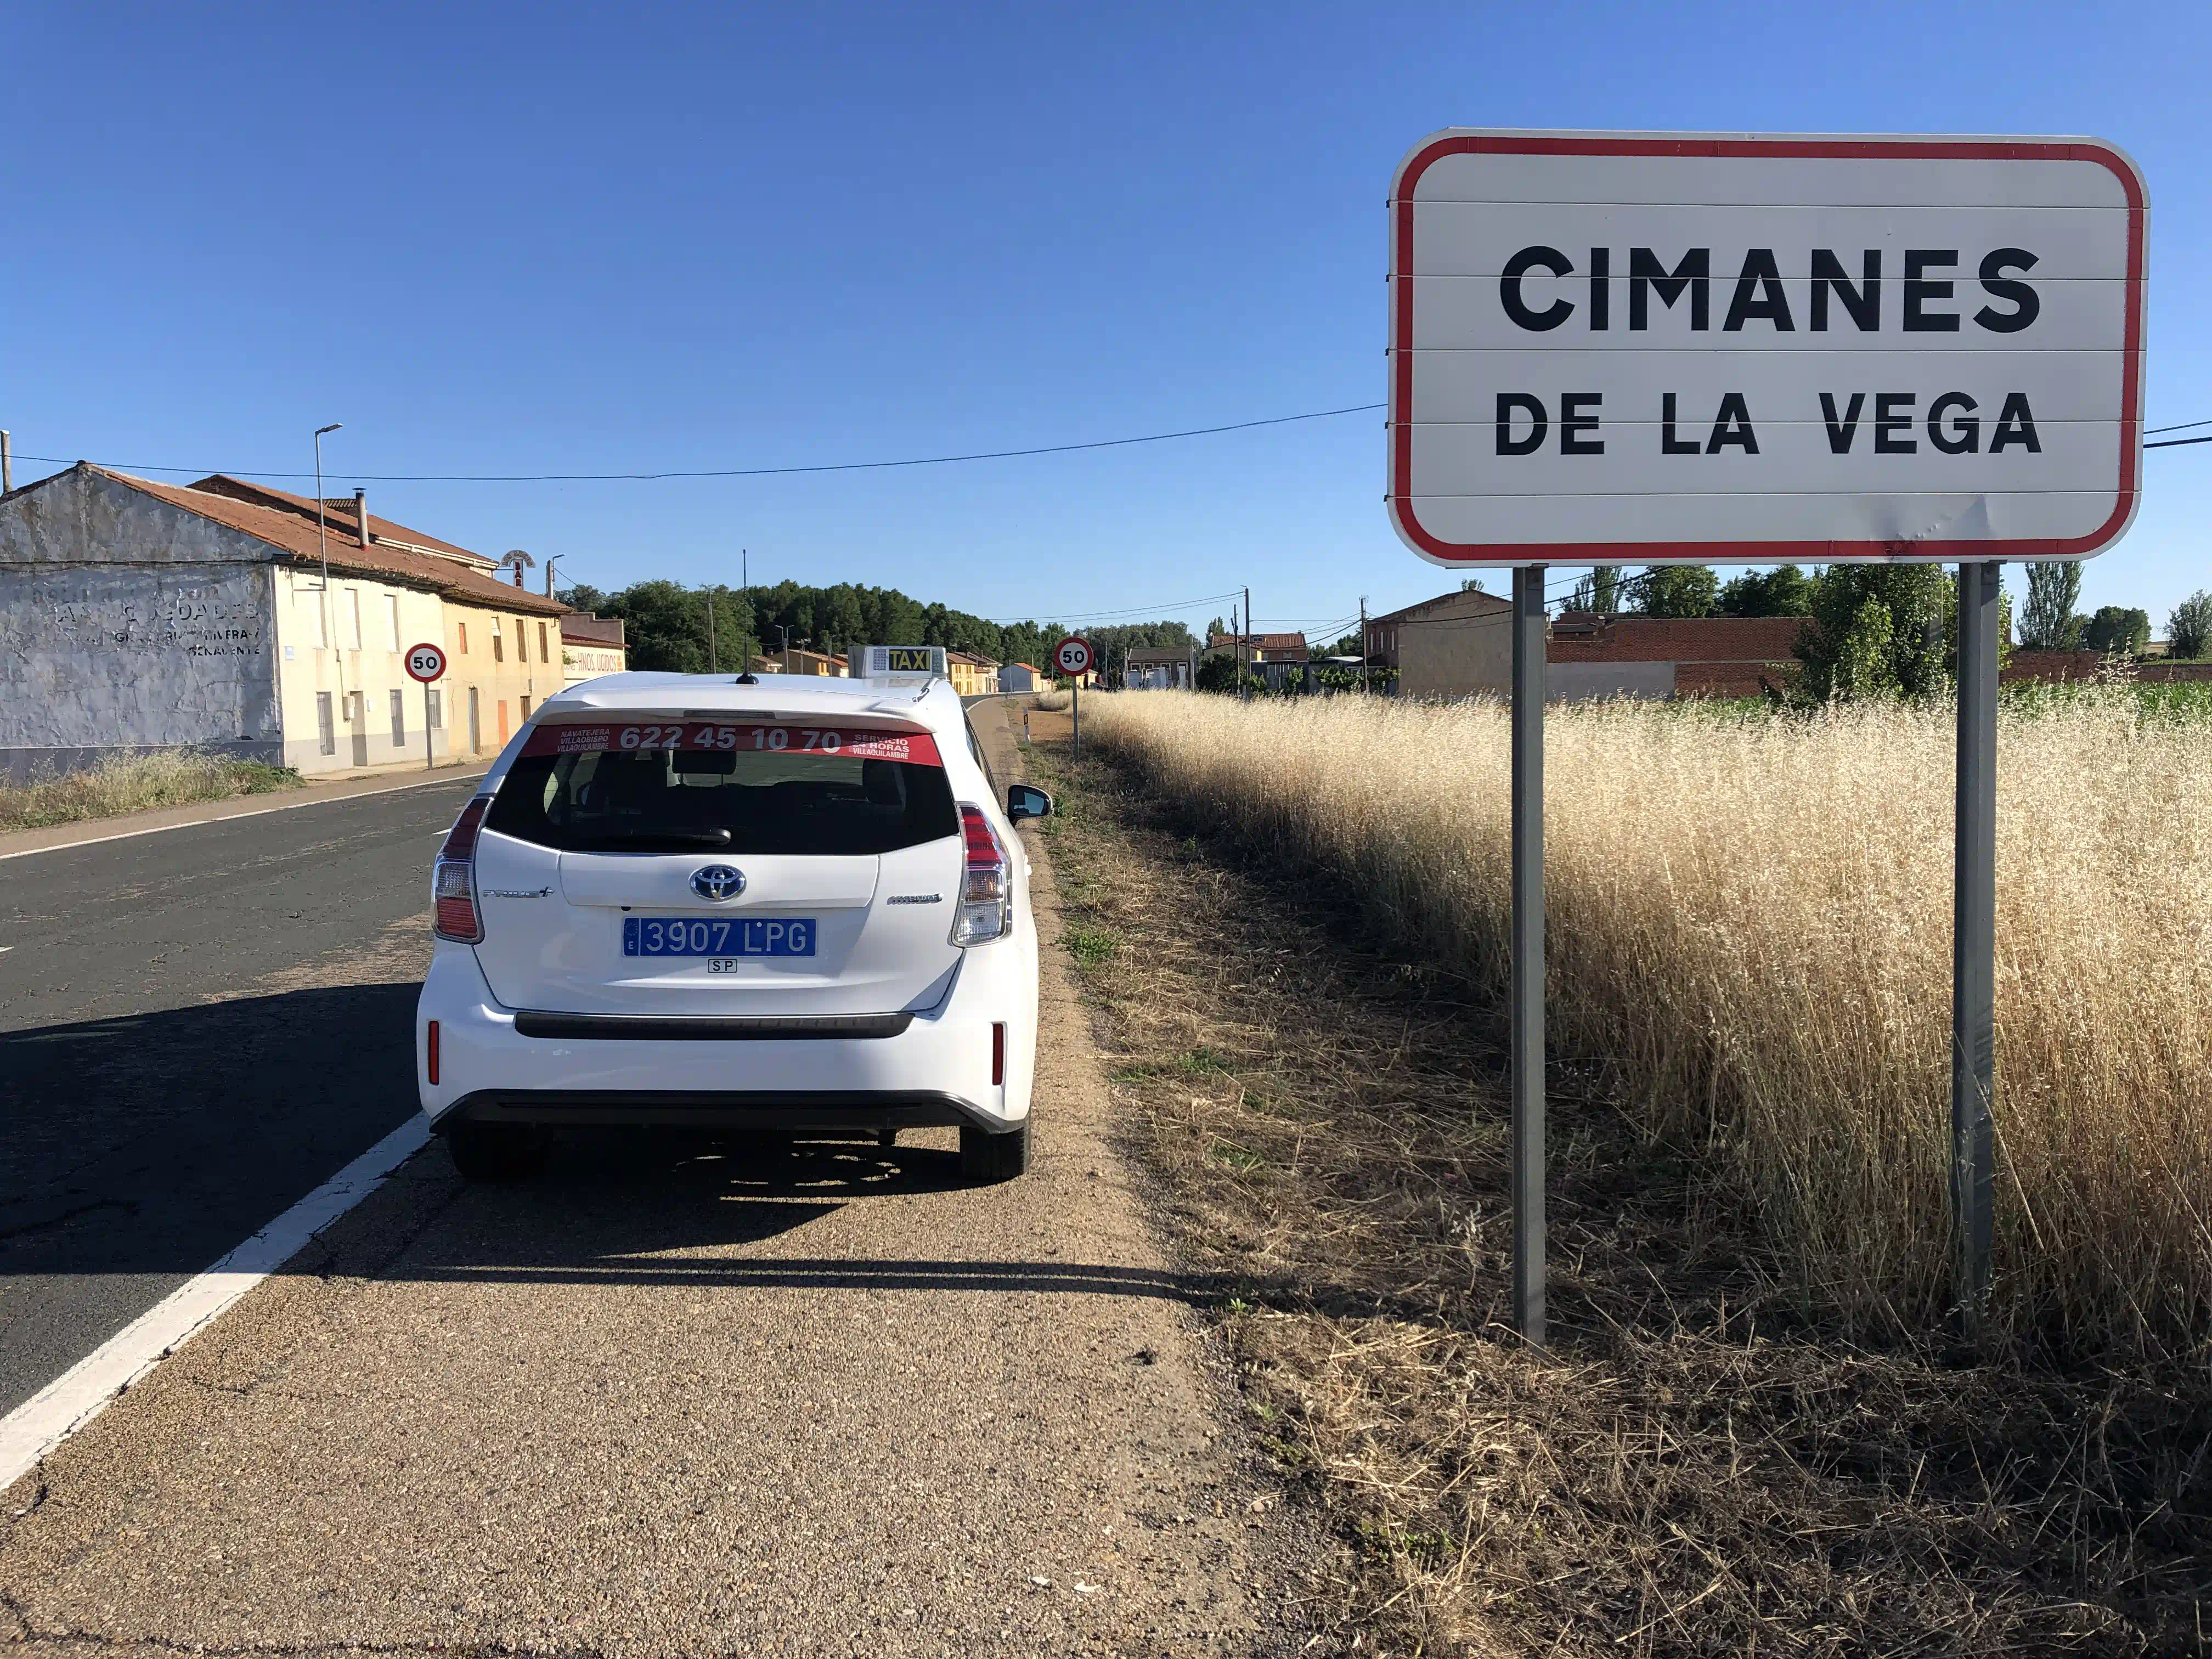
[(1785, 591), (1605, 590), (2114, 629), (1878, 630), (2189, 629), (665, 625), (1677, 590), (2047, 622)]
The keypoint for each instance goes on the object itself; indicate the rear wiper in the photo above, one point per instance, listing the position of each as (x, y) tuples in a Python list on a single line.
[(681, 837)]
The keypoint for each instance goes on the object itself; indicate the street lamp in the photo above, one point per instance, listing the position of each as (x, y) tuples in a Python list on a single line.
[(322, 544)]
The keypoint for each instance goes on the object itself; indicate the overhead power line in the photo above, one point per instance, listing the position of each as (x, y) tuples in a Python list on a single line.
[(740, 472)]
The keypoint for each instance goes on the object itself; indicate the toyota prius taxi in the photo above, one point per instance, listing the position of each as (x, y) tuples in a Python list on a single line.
[(775, 904)]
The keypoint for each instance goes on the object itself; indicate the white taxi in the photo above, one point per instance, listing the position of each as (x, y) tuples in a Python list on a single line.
[(774, 904)]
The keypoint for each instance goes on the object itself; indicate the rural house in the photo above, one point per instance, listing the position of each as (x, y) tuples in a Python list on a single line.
[(1457, 645), (1158, 668), (137, 616), (1593, 656), (1249, 649), (973, 676), (590, 646)]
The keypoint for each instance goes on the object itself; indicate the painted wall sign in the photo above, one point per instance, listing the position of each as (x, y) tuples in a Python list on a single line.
[(1634, 348)]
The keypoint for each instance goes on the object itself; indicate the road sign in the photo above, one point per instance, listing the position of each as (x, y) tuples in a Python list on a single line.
[(1638, 348), (425, 662), (1073, 656)]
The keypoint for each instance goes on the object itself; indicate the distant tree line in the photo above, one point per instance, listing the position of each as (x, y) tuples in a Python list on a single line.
[(667, 624)]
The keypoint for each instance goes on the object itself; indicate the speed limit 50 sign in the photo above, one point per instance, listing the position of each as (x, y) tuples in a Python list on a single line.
[(1073, 656), (425, 663)]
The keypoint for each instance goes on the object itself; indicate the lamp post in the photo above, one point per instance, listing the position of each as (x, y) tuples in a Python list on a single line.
[(322, 545)]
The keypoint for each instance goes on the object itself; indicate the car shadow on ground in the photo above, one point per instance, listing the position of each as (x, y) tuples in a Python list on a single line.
[(154, 1144), (636, 1209)]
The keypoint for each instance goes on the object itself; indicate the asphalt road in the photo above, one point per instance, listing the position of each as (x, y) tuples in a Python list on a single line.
[(197, 1028), (664, 1401)]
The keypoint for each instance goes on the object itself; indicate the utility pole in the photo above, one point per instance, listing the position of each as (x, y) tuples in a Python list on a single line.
[(550, 563), (1362, 641), (7, 464), (710, 631)]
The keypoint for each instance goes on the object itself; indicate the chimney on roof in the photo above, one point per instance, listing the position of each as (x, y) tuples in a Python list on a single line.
[(360, 514)]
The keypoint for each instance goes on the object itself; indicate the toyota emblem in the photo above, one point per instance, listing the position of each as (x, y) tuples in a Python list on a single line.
[(718, 882)]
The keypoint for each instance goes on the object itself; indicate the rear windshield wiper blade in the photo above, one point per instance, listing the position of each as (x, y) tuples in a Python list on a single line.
[(681, 837)]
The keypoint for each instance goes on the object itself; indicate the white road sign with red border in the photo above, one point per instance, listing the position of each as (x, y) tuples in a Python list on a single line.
[(1634, 348), (1073, 656), (425, 663)]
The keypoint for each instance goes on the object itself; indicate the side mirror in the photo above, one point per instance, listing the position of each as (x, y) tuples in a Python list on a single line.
[(1025, 800)]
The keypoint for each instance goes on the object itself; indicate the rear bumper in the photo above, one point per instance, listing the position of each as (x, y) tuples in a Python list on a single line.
[(799, 1114), (929, 1066)]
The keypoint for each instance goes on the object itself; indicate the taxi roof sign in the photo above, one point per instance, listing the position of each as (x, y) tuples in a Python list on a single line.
[(904, 664)]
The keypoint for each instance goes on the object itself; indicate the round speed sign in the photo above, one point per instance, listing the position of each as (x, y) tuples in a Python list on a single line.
[(426, 663), (1073, 656)]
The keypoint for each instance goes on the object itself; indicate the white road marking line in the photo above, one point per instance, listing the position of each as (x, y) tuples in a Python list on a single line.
[(233, 817), (83, 1392)]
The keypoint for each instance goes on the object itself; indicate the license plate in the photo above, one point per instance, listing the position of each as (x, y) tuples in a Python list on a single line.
[(725, 936)]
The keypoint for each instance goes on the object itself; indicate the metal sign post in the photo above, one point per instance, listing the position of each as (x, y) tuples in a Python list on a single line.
[(1701, 349), (425, 663), (1973, 941), (1073, 656), (1527, 948)]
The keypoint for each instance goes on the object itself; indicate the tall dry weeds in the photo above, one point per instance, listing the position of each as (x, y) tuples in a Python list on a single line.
[(135, 783), (1751, 917)]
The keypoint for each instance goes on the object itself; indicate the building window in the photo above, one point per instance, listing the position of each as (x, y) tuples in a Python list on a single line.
[(543, 655), (327, 723), (498, 647), (319, 618), (433, 709), (522, 644), (391, 615), (398, 719), (525, 708), (463, 627)]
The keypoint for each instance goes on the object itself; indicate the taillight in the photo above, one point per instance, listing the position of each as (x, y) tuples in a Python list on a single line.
[(453, 878), (998, 1052), (430, 1052), (987, 893)]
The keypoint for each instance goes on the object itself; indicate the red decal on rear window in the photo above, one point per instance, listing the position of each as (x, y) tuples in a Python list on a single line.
[(858, 744)]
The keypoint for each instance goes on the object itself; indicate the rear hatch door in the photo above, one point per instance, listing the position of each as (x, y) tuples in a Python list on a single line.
[(727, 869)]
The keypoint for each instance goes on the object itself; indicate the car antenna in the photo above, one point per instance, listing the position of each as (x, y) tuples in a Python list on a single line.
[(748, 679)]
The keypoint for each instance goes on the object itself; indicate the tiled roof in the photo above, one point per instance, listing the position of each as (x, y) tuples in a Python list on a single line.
[(582, 628), (1264, 641), (293, 537), (336, 511)]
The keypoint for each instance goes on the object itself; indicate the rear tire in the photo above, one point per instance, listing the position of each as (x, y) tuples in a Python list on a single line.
[(993, 1157), (501, 1152)]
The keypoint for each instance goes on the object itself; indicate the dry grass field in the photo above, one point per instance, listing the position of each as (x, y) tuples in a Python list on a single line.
[(1750, 923), (133, 785), (1719, 1455)]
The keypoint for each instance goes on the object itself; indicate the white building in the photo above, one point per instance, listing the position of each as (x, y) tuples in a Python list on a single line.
[(137, 616)]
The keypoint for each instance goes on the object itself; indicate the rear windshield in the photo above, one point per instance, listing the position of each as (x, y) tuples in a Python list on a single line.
[(682, 800)]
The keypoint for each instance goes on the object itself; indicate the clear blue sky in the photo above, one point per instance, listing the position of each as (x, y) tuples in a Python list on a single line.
[(596, 239)]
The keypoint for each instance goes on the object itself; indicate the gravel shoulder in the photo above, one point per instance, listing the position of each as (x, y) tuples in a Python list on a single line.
[(839, 1403)]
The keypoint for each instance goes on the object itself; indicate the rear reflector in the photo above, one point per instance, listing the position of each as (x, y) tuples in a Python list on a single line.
[(987, 903), (453, 878), (430, 1054), (998, 1052)]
